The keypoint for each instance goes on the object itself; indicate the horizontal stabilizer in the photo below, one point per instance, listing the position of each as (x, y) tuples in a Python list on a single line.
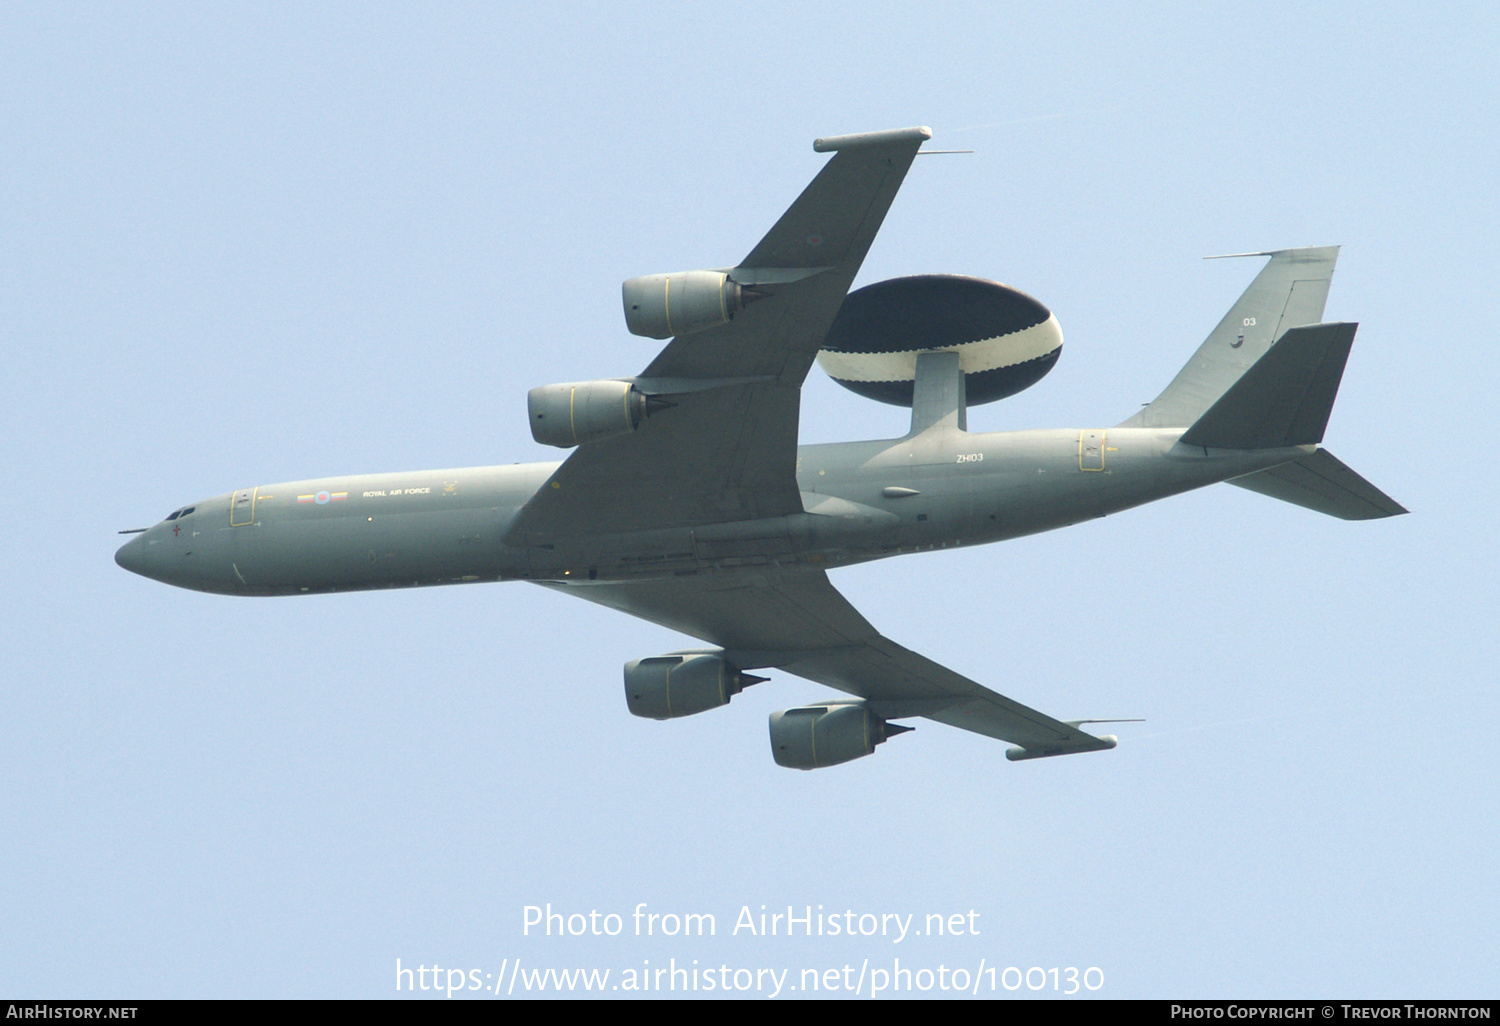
[(1321, 482), (1283, 399)]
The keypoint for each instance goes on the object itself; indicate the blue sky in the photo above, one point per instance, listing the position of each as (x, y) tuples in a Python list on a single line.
[(248, 245)]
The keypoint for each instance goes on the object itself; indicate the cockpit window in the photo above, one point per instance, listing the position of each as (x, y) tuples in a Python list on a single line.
[(188, 510), (174, 514)]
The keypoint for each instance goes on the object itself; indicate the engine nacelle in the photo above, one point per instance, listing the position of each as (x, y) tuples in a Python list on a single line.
[(584, 411), (666, 687), (826, 735), (664, 305)]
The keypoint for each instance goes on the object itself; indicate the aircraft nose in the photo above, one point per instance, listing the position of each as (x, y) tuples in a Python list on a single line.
[(133, 556)]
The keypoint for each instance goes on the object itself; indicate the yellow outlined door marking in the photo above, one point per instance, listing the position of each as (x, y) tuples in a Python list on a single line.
[(1091, 450), (242, 507)]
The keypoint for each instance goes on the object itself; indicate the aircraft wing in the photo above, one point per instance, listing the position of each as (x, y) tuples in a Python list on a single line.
[(727, 448), (795, 620)]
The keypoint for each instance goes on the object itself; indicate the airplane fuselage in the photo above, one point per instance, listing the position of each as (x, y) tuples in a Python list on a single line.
[(861, 500)]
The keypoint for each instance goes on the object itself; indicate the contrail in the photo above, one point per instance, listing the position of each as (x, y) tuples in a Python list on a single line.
[(1032, 120), (1214, 726)]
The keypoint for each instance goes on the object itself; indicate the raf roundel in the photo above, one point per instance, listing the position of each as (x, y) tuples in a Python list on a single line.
[(1006, 340)]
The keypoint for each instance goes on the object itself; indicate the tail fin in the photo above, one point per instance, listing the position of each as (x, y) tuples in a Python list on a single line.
[(1289, 292)]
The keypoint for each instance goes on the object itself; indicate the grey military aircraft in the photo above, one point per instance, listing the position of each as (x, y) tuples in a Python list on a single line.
[(688, 502)]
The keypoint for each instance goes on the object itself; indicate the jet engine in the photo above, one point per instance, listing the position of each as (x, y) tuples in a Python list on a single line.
[(663, 305), (1006, 340), (585, 411), (826, 735), (666, 687)]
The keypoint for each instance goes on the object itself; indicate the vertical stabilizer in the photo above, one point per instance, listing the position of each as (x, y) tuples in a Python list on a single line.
[(1289, 292)]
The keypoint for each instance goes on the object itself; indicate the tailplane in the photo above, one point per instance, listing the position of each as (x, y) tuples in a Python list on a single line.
[(1321, 482), (1285, 398)]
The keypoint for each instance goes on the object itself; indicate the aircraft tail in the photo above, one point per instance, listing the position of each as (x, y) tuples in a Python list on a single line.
[(1266, 378), (1290, 291)]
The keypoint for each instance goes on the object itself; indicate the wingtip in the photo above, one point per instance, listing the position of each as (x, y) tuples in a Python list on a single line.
[(830, 143), (1105, 743)]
